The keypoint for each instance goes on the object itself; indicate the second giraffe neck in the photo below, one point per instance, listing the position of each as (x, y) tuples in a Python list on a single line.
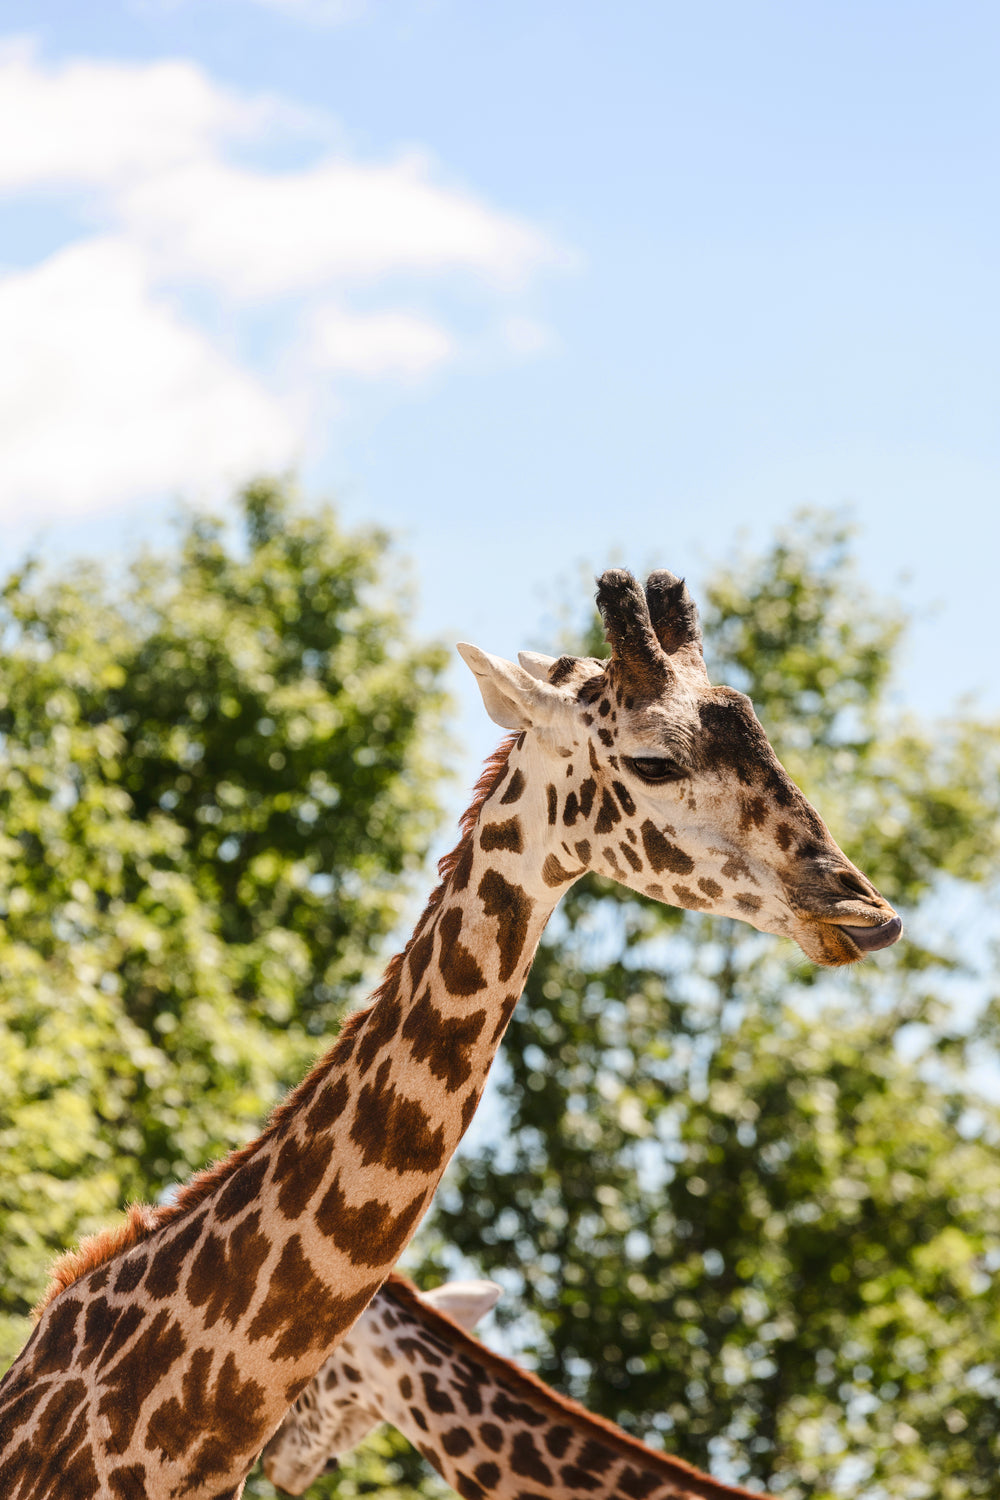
[(489, 1428)]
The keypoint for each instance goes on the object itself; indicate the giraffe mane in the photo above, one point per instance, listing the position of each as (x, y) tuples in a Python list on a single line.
[(142, 1220), (489, 777), (403, 1291)]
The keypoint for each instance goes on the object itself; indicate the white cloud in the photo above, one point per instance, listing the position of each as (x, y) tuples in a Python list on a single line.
[(373, 344), (98, 123), (108, 389), (153, 137), (106, 394), (258, 234)]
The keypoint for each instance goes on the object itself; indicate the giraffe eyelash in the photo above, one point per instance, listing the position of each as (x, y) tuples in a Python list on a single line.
[(655, 768)]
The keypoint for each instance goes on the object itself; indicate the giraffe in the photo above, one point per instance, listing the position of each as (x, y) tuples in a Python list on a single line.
[(168, 1350), (491, 1430), (341, 1405)]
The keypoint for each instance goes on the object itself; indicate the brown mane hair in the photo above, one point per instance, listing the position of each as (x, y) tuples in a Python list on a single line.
[(143, 1219), (401, 1291)]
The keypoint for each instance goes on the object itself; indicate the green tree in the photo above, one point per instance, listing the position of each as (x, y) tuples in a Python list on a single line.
[(217, 775), (745, 1208)]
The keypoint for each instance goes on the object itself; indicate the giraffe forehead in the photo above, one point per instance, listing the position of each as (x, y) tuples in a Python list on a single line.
[(730, 737), (668, 724)]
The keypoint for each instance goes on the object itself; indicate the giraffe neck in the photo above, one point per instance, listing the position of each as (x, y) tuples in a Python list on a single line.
[(489, 1429), (175, 1359)]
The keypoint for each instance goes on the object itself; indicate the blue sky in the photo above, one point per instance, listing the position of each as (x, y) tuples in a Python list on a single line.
[(535, 285)]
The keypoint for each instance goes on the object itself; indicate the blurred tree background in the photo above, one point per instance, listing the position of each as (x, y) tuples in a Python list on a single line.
[(218, 774), (749, 1210)]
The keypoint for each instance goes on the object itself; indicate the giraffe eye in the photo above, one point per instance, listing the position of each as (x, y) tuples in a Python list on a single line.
[(655, 768)]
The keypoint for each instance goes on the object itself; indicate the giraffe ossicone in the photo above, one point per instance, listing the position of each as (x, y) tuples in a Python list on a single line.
[(168, 1350), (491, 1430)]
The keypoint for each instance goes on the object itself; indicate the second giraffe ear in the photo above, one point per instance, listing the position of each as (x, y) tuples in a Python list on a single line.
[(465, 1301), (513, 698)]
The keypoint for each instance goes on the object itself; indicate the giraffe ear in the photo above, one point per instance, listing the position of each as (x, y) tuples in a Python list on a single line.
[(537, 664), (514, 699), (465, 1301)]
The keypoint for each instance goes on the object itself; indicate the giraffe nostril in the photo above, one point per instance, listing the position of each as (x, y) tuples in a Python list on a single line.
[(855, 885)]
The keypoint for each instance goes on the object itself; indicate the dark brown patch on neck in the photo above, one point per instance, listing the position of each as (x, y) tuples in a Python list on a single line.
[(394, 1130), (459, 968), (502, 836), (514, 791), (444, 1044), (512, 906), (370, 1234), (294, 1285)]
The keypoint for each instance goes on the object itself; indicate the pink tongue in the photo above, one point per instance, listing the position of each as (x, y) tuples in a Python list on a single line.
[(869, 939)]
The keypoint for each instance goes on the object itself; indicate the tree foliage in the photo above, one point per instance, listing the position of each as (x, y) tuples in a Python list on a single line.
[(746, 1209), (217, 776)]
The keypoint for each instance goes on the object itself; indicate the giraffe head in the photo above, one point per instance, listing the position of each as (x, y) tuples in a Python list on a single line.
[(340, 1407), (666, 783)]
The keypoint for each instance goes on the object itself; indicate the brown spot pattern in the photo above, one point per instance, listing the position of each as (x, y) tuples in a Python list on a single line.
[(514, 789), (436, 1399), (300, 1169), (608, 815), (231, 1422), (557, 1439), (503, 1020), (631, 856), (128, 1482), (223, 1276), (163, 1276), (624, 797), (294, 1285), (502, 836), (57, 1352), (329, 1105), (241, 1189), (443, 1044), (689, 898), (379, 1028), (370, 1234), (419, 955), (525, 1459), (512, 907), (753, 813), (392, 1129), (130, 1384), (459, 969), (663, 855)]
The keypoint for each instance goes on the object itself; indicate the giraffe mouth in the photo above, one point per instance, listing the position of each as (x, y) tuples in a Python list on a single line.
[(833, 941), (871, 939)]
